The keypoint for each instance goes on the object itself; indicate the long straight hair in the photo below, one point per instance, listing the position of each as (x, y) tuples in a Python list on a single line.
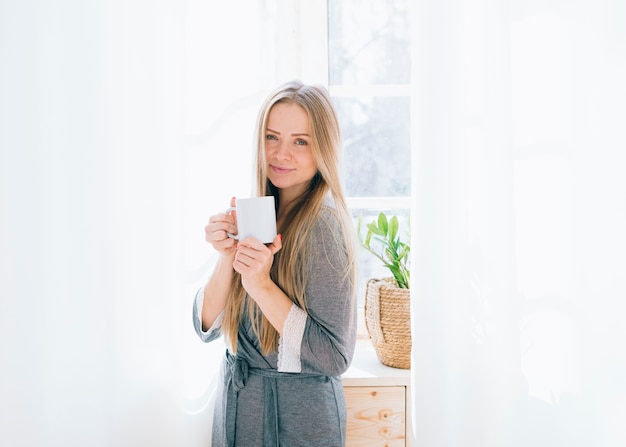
[(290, 262)]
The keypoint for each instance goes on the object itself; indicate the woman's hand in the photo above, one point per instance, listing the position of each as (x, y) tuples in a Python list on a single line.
[(253, 260), (216, 231)]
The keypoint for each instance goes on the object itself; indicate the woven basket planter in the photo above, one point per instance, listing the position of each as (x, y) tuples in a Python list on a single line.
[(388, 321)]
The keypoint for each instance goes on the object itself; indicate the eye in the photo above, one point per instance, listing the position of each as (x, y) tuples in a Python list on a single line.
[(271, 136), (301, 142)]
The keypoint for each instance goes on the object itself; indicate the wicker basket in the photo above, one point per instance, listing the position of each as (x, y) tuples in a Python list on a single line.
[(388, 321)]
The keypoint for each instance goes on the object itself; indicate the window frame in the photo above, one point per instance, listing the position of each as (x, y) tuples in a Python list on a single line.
[(369, 203)]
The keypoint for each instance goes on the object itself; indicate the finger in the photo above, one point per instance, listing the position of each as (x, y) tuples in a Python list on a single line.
[(240, 268), (215, 235), (233, 214), (276, 245), (222, 217), (221, 225), (219, 231), (253, 243), (251, 252), (243, 260), (243, 265), (226, 245), (247, 254)]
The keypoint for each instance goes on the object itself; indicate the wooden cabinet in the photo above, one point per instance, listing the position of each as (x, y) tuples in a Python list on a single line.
[(377, 400), (376, 416)]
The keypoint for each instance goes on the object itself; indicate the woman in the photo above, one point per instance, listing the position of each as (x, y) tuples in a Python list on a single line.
[(286, 309)]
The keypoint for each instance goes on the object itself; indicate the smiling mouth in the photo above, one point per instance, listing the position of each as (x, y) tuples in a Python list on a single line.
[(279, 170)]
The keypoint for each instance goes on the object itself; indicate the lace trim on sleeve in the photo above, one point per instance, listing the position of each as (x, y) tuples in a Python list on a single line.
[(290, 342)]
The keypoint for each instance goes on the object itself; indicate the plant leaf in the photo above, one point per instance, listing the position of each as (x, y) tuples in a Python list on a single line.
[(404, 251), (368, 239), (393, 228), (382, 223), (374, 229), (391, 254)]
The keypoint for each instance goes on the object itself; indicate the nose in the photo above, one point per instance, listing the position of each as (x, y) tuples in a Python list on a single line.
[(282, 150)]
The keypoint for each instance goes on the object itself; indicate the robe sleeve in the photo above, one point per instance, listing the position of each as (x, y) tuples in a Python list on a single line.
[(329, 335), (214, 331)]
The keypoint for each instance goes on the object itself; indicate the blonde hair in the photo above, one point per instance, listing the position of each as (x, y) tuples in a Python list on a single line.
[(290, 262)]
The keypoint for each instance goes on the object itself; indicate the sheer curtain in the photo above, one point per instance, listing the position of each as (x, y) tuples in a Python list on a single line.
[(123, 126), (518, 223)]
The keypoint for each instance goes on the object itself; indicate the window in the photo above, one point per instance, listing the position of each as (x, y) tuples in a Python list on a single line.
[(361, 54), (369, 78)]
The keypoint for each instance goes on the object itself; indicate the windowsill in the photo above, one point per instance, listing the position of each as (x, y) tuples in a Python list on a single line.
[(361, 328), (367, 370)]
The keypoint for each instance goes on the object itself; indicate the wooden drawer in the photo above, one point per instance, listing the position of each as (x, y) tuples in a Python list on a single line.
[(376, 416)]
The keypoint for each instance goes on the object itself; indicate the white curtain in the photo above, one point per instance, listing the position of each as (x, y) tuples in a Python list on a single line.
[(123, 126), (519, 291)]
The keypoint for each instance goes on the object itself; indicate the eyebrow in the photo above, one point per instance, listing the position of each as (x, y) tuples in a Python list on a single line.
[(293, 134)]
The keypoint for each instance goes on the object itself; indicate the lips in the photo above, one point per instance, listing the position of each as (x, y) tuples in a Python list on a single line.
[(281, 170)]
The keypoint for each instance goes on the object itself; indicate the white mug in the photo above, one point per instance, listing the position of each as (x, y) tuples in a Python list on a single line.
[(256, 217)]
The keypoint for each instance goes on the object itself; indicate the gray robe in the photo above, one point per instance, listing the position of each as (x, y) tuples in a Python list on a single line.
[(258, 405)]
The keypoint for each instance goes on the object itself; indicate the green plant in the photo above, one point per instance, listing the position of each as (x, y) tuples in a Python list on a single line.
[(383, 241)]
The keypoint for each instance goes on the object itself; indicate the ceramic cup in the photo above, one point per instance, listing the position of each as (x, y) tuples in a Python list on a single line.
[(256, 217)]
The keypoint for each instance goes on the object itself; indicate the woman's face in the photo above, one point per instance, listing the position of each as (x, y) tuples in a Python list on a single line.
[(290, 163)]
